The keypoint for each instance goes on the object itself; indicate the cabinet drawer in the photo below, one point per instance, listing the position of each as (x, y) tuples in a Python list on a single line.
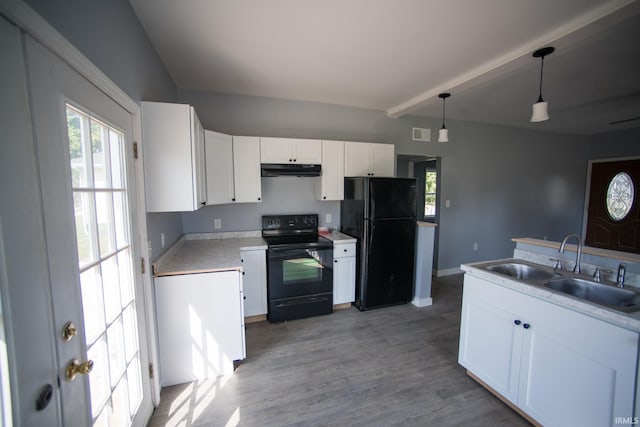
[(342, 251)]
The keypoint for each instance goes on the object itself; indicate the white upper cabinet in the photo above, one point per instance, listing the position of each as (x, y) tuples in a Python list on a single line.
[(330, 186), (290, 150), (246, 169), (219, 167), (369, 159), (233, 169), (173, 143)]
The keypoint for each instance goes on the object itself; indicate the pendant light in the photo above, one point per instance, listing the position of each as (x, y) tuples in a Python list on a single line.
[(443, 134), (540, 111)]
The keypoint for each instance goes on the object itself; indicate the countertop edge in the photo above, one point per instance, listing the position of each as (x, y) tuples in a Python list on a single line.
[(200, 271)]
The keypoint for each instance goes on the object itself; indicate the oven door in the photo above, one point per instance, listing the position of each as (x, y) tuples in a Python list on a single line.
[(299, 272)]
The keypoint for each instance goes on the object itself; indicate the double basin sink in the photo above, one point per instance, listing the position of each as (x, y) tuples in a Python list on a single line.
[(611, 296)]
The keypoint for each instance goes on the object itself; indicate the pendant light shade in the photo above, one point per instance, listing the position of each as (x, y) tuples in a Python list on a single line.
[(443, 134), (540, 110)]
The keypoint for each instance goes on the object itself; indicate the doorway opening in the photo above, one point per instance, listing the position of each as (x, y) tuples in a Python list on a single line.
[(427, 171)]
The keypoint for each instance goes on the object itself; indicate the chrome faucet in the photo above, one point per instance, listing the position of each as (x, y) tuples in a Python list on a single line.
[(576, 268), (620, 278)]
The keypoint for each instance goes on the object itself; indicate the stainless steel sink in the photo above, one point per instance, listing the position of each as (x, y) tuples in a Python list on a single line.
[(621, 299), (523, 271)]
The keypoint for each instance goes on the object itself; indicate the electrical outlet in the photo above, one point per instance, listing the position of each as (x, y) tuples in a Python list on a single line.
[(217, 223), (162, 240), (475, 246), (447, 203), (327, 218)]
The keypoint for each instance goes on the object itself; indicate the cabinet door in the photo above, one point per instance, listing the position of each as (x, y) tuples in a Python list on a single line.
[(254, 282), (200, 325), (344, 279), (576, 370), (490, 341), (331, 183), (356, 159), (198, 161), (307, 151), (276, 150), (219, 167), (246, 169), (383, 159), (168, 157)]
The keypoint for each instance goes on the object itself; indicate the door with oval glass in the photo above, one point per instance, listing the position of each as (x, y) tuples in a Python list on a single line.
[(613, 213), (85, 159)]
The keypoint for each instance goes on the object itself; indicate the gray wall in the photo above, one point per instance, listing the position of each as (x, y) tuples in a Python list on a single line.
[(109, 34), (501, 182), (280, 195), (624, 143)]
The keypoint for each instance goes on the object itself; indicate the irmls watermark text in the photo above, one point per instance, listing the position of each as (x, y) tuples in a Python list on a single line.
[(626, 420)]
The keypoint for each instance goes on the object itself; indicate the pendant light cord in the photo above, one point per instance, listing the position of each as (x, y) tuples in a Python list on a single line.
[(444, 100), (541, 70)]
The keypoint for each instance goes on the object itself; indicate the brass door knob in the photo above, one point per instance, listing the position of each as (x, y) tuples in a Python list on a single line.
[(69, 331), (75, 367)]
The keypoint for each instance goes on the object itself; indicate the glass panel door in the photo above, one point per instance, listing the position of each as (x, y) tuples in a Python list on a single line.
[(103, 240)]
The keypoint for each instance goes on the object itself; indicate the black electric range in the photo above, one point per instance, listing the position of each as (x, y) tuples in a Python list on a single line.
[(299, 267)]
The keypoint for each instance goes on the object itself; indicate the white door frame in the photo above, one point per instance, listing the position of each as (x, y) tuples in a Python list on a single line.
[(33, 24)]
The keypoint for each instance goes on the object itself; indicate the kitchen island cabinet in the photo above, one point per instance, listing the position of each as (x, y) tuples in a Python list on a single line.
[(174, 164), (200, 325), (555, 365)]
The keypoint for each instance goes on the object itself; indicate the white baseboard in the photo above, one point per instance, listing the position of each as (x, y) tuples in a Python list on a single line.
[(422, 302), (448, 272)]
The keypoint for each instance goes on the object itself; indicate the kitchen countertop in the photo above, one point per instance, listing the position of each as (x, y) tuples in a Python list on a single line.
[(189, 256), (338, 237), (626, 320)]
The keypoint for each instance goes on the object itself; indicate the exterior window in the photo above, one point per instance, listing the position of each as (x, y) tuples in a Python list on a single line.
[(619, 196), (430, 193)]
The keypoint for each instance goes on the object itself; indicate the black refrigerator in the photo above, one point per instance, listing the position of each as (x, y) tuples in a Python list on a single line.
[(381, 214)]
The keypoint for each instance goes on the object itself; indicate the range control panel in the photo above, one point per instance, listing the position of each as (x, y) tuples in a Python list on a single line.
[(290, 222)]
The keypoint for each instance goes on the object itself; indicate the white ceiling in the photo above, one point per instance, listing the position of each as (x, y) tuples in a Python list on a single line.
[(397, 55)]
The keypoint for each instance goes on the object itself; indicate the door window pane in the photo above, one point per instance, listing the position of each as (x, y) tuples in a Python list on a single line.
[(620, 196), (86, 227), (99, 378), (91, 289)]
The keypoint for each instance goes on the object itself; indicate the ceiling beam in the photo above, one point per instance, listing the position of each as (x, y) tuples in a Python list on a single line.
[(511, 59)]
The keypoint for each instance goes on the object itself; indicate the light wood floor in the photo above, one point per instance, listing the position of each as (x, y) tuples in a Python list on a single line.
[(384, 367)]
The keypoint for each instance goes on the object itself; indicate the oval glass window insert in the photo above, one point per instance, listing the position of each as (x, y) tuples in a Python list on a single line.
[(620, 196)]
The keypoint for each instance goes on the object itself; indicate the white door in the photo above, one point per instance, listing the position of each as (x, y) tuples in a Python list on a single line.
[(85, 161)]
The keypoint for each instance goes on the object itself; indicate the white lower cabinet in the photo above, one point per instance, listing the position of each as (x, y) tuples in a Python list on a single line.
[(254, 282), (344, 272), (558, 366), (200, 325)]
